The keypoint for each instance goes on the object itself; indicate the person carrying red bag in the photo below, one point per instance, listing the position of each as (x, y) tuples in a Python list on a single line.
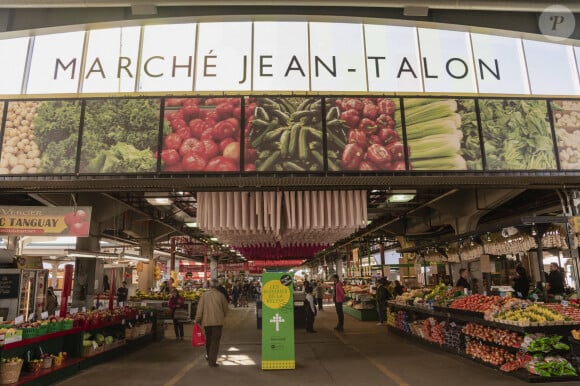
[(211, 313)]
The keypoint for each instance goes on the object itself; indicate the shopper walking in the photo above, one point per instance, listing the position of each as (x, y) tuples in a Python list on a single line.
[(383, 295), (176, 301), (51, 301), (463, 281), (211, 313), (310, 309), (338, 297), (122, 293), (320, 294)]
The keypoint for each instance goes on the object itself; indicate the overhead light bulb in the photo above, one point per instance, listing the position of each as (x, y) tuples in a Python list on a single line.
[(534, 230)]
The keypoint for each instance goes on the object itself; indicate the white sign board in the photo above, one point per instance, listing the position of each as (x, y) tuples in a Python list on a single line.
[(300, 55)]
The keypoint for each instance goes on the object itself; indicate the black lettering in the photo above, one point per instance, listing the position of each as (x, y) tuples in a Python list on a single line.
[(482, 64), (207, 65), (332, 71), (124, 63), (60, 64), (146, 67), (264, 65), (245, 68), (427, 70), (96, 67), (292, 68), (465, 68), (406, 67), (557, 19), (376, 59), (176, 66)]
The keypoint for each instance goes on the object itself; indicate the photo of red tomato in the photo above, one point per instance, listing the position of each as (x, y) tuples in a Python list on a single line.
[(201, 135)]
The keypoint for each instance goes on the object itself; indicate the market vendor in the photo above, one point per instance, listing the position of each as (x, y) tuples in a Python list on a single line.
[(555, 280), (463, 281)]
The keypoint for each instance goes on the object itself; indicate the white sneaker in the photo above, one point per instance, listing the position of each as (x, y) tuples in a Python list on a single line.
[(379, 324)]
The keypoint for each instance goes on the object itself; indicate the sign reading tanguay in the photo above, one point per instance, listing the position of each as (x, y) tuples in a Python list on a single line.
[(45, 221), (285, 56)]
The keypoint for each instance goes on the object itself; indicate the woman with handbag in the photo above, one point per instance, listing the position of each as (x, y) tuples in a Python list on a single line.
[(178, 313)]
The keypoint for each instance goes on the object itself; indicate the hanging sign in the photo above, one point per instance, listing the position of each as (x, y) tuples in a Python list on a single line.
[(277, 321), (45, 221)]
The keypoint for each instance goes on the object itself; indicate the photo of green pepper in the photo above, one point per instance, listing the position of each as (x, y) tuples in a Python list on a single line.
[(283, 134)]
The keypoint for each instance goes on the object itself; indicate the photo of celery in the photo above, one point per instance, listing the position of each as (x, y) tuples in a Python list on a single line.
[(442, 134)]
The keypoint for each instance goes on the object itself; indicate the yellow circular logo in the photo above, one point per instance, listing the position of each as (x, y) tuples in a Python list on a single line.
[(275, 295)]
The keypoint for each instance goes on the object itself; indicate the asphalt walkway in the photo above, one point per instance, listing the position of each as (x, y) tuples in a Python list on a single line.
[(364, 354)]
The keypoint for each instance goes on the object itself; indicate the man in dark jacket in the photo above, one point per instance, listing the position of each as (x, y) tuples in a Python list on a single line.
[(382, 296), (555, 280)]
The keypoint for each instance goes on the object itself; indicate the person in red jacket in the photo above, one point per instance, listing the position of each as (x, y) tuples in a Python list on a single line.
[(338, 295), (176, 301)]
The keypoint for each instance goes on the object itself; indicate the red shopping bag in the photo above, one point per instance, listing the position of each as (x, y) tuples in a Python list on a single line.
[(197, 338)]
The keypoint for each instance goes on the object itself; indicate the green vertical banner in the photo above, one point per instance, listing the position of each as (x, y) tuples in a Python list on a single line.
[(278, 321)]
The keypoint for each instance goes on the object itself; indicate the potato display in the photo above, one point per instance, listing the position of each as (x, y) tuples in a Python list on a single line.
[(40, 137), (567, 124)]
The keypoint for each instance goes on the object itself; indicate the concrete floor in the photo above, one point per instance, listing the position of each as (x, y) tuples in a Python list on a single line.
[(365, 354)]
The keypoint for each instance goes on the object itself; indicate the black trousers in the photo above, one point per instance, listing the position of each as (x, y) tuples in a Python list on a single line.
[(213, 335), (310, 320), (178, 327), (319, 302), (340, 314)]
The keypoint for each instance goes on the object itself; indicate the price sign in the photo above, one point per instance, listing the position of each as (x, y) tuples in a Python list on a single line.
[(565, 303), (74, 311), (19, 320), (44, 315), (83, 309), (130, 325), (57, 313), (95, 345), (123, 322), (31, 317)]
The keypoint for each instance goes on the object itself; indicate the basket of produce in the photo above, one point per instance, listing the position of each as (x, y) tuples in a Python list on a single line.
[(29, 332), (148, 328), (67, 324), (130, 333), (47, 361), (10, 370), (59, 359), (34, 366), (43, 329), (54, 326)]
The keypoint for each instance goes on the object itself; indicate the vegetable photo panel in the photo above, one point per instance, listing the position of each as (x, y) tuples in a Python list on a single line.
[(201, 135), (284, 134), (516, 134), (566, 114), (40, 137), (120, 136), (442, 134), (364, 135)]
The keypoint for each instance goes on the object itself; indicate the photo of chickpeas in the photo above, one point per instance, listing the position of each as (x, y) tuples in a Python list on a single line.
[(20, 153)]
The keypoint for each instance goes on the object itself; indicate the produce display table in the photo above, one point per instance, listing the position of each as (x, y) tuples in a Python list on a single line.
[(162, 307), (364, 315), (71, 342), (502, 340)]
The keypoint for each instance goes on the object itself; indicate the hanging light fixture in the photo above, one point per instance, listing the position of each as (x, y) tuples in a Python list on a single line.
[(534, 230)]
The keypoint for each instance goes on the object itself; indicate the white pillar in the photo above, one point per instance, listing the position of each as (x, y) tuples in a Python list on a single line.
[(339, 268), (213, 267)]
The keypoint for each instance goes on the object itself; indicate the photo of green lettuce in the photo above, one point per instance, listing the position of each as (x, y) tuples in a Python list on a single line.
[(120, 136)]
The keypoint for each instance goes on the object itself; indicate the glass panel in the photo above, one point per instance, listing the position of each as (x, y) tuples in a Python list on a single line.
[(112, 57), (284, 134), (337, 57), (56, 63), (41, 137), (393, 62), (364, 134), (447, 61), (551, 68), (120, 136), (442, 134), (281, 56), (201, 135), (224, 61), (567, 124), (12, 66), (516, 134)]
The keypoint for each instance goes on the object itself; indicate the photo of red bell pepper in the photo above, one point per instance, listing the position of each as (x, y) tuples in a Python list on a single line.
[(388, 136), (352, 156), (359, 137), (368, 125), (350, 117), (396, 151), (378, 155), (370, 111)]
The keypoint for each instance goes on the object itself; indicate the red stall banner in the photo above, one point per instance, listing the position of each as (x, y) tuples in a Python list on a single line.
[(66, 288)]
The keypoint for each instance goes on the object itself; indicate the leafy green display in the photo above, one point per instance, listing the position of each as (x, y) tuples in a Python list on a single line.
[(56, 130), (120, 136), (516, 135), (470, 147)]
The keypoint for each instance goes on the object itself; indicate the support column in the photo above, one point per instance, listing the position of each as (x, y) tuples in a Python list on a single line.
[(339, 268), (540, 257), (88, 275), (146, 277), (382, 251), (54, 269), (213, 267)]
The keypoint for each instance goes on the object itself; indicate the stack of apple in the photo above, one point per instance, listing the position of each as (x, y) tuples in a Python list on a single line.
[(571, 312), (476, 303), (494, 335), (493, 355)]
